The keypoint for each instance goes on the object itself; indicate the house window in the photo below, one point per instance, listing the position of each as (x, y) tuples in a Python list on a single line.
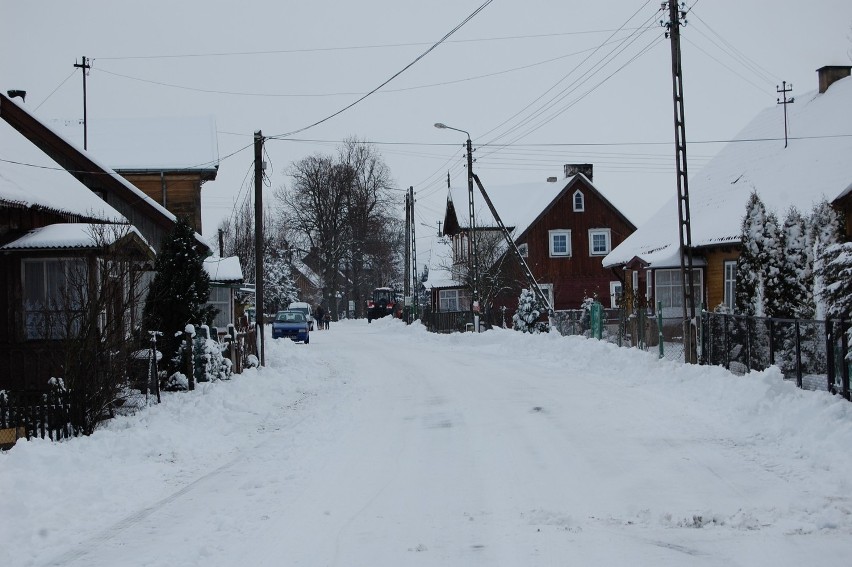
[(599, 241), (730, 284), (524, 249), (669, 291), (53, 297), (560, 243), (615, 293), (579, 202), (453, 299), (220, 298), (547, 290)]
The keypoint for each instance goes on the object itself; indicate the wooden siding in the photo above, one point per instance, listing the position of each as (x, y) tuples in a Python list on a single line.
[(180, 194), (715, 274), (580, 275)]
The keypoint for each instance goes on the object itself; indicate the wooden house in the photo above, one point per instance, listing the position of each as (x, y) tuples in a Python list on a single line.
[(563, 228), (61, 210), (814, 165)]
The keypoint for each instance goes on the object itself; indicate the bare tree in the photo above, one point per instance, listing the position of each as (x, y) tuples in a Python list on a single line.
[(91, 309), (374, 236)]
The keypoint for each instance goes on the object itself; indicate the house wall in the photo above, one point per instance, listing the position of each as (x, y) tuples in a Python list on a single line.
[(180, 194), (715, 274), (581, 274), (844, 205)]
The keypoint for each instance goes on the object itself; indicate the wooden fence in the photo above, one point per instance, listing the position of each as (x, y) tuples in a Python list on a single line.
[(37, 414)]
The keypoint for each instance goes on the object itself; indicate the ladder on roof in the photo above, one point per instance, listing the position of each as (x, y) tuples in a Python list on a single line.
[(514, 248)]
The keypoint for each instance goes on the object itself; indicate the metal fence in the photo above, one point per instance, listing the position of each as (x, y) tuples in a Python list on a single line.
[(811, 352)]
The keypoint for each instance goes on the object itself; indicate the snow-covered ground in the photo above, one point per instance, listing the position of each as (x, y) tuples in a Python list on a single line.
[(384, 445)]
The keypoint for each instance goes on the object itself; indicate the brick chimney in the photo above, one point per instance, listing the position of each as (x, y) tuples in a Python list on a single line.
[(830, 73), (572, 169), (551, 179)]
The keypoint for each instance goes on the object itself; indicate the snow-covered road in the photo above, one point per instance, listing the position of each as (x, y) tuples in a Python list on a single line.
[(383, 445)]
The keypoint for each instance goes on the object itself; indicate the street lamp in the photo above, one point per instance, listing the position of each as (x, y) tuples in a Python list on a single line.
[(472, 219)]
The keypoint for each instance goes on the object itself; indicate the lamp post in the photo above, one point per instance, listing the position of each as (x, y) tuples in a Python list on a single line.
[(473, 255)]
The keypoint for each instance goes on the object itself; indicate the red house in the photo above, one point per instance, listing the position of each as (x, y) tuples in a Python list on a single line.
[(563, 228)]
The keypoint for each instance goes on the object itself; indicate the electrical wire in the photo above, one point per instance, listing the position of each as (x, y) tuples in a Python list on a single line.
[(345, 48), (395, 75), (56, 89)]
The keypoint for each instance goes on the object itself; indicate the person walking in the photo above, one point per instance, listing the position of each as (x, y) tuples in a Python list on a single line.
[(326, 320)]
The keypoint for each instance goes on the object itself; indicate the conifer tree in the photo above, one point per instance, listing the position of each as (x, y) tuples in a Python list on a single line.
[(775, 301), (279, 288), (836, 274), (824, 231), (529, 310), (750, 264), (796, 269), (180, 289)]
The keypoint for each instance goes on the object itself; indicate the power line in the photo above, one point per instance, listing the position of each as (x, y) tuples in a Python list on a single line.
[(343, 93), (345, 48), (65, 80), (395, 75)]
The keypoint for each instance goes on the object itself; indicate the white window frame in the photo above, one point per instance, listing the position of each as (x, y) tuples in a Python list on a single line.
[(607, 234), (582, 204), (669, 291), (615, 290), (729, 271), (524, 249), (220, 298), (457, 298), (551, 234), (547, 290)]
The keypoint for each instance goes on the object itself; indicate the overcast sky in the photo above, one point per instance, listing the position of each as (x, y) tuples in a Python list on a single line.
[(600, 70)]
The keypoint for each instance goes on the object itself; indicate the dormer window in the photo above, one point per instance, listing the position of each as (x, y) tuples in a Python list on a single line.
[(579, 202)]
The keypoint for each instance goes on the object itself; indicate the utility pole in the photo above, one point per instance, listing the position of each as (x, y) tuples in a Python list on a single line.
[(85, 67), (406, 290), (415, 290), (258, 239), (783, 91), (676, 14), (473, 250), (221, 243)]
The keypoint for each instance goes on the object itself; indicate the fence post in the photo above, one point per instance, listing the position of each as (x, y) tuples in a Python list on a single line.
[(597, 320), (798, 355), (188, 362), (844, 365), (660, 328), (829, 356), (725, 341), (772, 340), (748, 343)]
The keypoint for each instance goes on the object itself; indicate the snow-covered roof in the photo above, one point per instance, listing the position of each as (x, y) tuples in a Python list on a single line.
[(815, 165), (71, 236), (139, 144), (138, 195), (224, 270), (518, 205), (29, 178), (307, 272)]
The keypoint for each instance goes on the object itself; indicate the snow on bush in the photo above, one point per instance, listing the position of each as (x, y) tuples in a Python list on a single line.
[(529, 310)]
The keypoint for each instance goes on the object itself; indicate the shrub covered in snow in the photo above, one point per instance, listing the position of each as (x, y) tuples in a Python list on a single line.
[(529, 310)]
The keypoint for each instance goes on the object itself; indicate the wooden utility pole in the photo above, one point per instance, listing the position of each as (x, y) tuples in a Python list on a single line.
[(783, 90), (676, 14), (415, 289), (85, 67), (258, 240)]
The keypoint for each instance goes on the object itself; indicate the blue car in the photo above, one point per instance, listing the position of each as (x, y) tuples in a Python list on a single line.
[(292, 325)]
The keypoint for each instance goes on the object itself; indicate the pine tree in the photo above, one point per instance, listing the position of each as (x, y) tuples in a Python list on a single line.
[(750, 264), (180, 289), (529, 310), (797, 268), (824, 231), (775, 289), (279, 287), (836, 274)]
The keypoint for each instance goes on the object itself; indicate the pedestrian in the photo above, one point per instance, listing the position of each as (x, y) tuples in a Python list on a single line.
[(318, 317), (326, 319)]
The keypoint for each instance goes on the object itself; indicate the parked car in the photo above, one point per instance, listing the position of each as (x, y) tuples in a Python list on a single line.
[(292, 325), (304, 308)]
